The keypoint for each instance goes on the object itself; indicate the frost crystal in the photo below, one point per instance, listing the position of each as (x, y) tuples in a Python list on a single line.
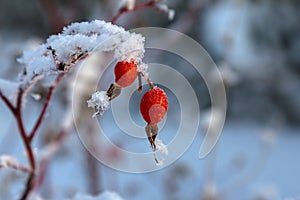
[(99, 101), (161, 150), (78, 40)]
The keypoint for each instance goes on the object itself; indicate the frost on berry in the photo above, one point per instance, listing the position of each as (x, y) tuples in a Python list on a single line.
[(160, 152), (99, 101), (154, 105), (125, 73)]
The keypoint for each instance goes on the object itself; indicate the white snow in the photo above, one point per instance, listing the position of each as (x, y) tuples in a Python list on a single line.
[(161, 151), (131, 49), (79, 40), (99, 101)]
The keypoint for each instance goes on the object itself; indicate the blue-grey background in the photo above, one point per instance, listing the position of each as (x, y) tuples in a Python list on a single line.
[(255, 44)]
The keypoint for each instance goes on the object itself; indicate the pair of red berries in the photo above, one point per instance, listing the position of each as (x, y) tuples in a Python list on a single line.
[(154, 103)]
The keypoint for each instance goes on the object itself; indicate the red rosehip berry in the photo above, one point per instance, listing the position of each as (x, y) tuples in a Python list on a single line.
[(153, 107), (125, 73)]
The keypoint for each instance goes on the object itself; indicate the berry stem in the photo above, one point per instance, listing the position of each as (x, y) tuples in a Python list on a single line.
[(140, 88), (150, 83)]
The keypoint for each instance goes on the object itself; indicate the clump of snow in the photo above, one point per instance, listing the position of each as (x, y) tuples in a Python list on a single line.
[(36, 96), (99, 101), (107, 195), (78, 40), (132, 49), (38, 62), (160, 152)]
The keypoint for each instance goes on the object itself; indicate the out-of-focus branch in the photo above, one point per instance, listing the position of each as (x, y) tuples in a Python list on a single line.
[(17, 112), (46, 104), (123, 10), (50, 150), (56, 19), (7, 102), (29, 150)]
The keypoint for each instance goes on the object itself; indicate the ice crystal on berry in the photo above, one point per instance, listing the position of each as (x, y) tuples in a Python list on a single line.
[(160, 152), (99, 101)]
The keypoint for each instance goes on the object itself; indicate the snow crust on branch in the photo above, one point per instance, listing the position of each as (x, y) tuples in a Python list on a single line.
[(78, 40)]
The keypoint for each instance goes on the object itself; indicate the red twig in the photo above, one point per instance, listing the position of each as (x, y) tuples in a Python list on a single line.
[(7, 103), (18, 116), (51, 149), (125, 10), (17, 112), (44, 109)]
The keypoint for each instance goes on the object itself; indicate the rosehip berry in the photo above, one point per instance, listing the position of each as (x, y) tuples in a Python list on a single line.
[(153, 107), (125, 73)]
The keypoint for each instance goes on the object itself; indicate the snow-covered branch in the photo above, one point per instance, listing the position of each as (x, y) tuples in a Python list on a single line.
[(61, 52)]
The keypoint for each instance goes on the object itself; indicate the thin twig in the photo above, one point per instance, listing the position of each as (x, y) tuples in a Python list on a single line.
[(18, 116), (46, 104), (7, 102), (51, 149)]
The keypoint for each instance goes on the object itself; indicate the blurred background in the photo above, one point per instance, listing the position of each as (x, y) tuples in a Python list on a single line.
[(256, 46)]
